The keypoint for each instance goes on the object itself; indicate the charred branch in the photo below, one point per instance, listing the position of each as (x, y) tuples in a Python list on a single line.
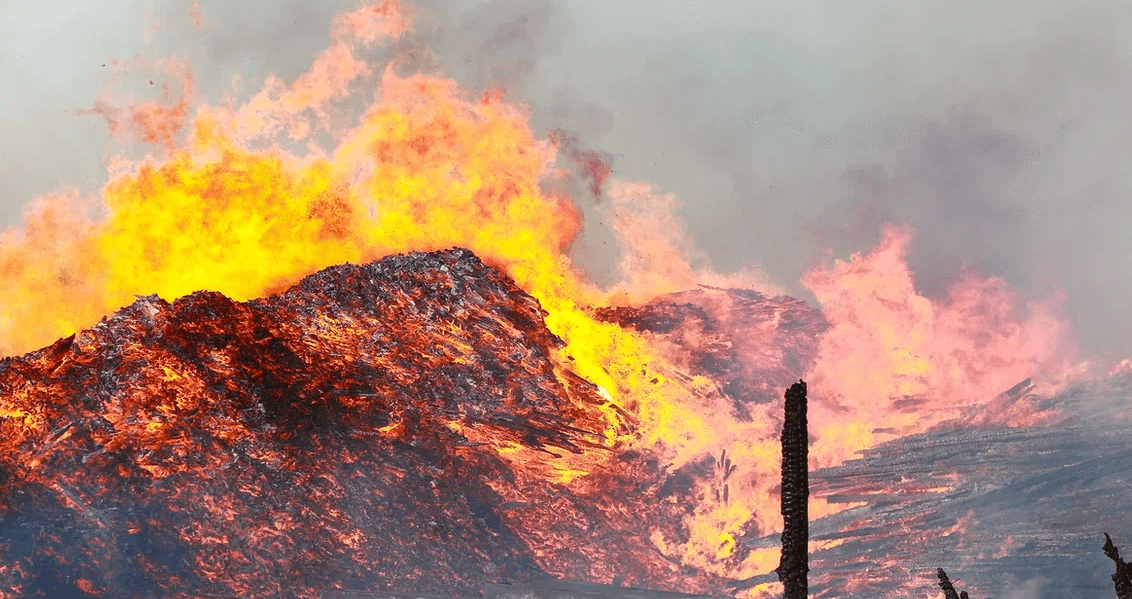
[(948, 588), (724, 468), (1122, 578), (794, 566)]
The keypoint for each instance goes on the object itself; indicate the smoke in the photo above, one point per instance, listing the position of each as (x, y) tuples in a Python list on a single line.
[(998, 132), (1031, 589)]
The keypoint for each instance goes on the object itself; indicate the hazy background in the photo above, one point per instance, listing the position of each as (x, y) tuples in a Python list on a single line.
[(1000, 131)]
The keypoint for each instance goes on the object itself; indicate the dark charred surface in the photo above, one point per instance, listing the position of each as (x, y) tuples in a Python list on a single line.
[(310, 441), (753, 345)]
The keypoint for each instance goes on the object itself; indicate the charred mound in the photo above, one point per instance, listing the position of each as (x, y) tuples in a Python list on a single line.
[(310, 441), (752, 344)]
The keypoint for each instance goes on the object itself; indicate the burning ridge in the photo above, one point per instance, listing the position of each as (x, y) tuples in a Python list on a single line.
[(319, 438)]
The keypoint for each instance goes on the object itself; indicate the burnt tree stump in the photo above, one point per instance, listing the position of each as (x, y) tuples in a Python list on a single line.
[(1122, 578), (794, 567), (948, 588)]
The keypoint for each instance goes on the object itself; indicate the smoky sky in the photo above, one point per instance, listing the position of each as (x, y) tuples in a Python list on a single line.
[(999, 131)]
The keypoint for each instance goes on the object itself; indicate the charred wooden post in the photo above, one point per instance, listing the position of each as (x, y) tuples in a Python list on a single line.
[(945, 584), (948, 588), (794, 566), (1122, 578)]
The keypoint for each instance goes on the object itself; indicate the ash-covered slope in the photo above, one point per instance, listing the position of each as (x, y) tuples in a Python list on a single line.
[(751, 344), (310, 440), (1012, 512)]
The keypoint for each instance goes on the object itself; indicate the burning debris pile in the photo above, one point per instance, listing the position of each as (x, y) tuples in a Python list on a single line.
[(380, 426), (412, 426)]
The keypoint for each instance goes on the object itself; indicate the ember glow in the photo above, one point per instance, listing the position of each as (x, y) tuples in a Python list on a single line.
[(627, 433)]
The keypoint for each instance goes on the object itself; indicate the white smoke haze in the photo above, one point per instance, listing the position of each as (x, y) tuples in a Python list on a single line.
[(1027, 590)]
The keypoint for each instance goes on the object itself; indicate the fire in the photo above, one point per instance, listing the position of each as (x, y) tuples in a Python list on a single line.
[(225, 208), (658, 255), (895, 362)]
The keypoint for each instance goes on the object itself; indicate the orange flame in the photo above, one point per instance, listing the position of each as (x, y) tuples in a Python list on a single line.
[(658, 255), (895, 363), (150, 122)]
